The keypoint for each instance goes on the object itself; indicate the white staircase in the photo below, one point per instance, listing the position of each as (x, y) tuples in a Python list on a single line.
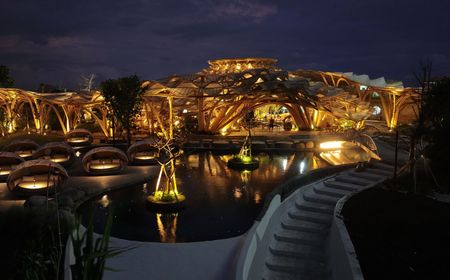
[(298, 247)]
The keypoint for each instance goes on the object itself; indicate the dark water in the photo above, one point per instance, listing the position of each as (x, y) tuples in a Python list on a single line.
[(220, 202)]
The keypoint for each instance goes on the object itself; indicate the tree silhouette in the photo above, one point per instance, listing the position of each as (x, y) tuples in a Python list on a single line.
[(5, 79), (123, 96)]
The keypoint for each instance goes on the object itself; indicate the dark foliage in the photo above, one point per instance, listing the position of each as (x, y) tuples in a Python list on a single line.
[(5, 79), (399, 236), (123, 97)]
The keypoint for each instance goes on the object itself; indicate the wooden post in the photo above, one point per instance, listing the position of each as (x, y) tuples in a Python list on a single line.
[(396, 158)]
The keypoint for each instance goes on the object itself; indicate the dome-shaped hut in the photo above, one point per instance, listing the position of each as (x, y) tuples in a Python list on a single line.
[(104, 161), (143, 152), (37, 177), (8, 162), (58, 152), (79, 137), (23, 148)]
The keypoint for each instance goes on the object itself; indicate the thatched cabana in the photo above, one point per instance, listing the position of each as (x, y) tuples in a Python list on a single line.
[(8, 162), (58, 152), (37, 177), (143, 152), (104, 161), (23, 148), (79, 137)]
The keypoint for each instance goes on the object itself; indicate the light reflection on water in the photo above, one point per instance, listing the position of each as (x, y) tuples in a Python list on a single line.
[(220, 202)]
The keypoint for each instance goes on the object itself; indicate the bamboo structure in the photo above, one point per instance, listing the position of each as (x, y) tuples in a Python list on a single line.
[(217, 97)]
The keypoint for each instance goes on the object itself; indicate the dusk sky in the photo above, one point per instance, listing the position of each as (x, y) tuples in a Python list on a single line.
[(56, 42)]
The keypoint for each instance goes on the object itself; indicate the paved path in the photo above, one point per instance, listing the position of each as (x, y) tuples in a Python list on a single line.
[(298, 248)]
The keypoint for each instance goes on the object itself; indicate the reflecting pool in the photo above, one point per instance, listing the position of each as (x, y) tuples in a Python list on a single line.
[(220, 202)]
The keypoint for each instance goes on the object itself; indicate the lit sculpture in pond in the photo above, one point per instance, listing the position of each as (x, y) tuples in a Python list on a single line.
[(244, 160), (8, 162), (104, 161), (58, 152), (37, 177), (79, 137), (23, 148), (166, 195)]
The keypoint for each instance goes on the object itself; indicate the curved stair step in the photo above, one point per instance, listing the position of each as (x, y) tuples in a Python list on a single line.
[(381, 172), (295, 237), (318, 198), (352, 180), (304, 226), (300, 251), (367, 175), (292, 265), (382, 165), (303, 205), (313, 217), (321, 189), (280, 275), (341, 185)]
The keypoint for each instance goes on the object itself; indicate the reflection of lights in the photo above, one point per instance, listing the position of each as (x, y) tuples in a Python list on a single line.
[(167, 227), (331, 145), (302, 167), (237, 193), (245, 176), (104, 201), (257, 197), (144, 188), (77, 153), (284, 164)]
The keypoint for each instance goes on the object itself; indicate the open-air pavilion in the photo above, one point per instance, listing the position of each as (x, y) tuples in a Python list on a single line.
[(218, 96)]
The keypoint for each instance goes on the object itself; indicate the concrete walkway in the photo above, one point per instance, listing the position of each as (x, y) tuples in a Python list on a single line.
[(195, 260), (298, 247)]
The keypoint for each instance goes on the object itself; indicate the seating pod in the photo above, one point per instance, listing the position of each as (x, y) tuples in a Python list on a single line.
[(104, 161), (79, 137), (23, 148), (58, 152), (8, 162), (37, 177), (143, 153)]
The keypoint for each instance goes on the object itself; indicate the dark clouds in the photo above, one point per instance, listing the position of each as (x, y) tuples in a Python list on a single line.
[(58, 41)]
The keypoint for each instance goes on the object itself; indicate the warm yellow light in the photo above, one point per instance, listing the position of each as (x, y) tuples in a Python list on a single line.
[(224, 131), (5, 172), (57, 158), (104, 166), (257, 197), (104, 201), (78, 139), (35, 185), (24, 153), (145, 157), (237, 193), (331, 145)]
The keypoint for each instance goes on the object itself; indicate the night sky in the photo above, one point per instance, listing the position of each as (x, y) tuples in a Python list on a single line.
[(56, 42)]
